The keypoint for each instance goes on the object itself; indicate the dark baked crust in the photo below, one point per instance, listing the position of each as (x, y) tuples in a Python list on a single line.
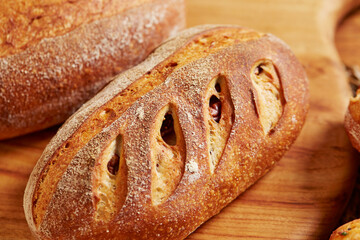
[(47, 81), (70, 206)]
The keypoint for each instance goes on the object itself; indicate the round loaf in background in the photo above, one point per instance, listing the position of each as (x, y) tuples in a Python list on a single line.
[(56, 54), (348, 231)]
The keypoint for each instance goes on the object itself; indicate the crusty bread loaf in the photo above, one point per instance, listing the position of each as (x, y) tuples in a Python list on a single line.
[(172, 141), (352, 121), (55, 55), (348, 231)]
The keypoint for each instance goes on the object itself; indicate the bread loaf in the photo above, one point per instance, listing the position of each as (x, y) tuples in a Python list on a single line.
[(348, 231), (55, 55), (172, 141)]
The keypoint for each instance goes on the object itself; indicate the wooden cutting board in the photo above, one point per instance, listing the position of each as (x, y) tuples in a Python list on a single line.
[(304, 196)]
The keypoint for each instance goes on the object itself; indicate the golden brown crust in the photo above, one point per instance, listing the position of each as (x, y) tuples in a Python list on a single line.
[(24, 23), (348, 231), (196, 57), (352, 121), (72, 63)]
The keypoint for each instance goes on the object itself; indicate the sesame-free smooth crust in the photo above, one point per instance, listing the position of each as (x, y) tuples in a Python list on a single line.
[(188, 130)]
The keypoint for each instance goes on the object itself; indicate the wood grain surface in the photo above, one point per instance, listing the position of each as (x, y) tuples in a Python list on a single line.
[(304, 196), (347, 39)]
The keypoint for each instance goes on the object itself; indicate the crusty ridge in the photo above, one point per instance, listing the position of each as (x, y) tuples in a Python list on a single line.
[(199, 194)]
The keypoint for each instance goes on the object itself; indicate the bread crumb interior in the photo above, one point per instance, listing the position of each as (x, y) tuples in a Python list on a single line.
[(269, 96)]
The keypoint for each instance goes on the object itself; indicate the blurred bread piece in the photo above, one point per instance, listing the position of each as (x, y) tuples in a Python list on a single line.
[(56, 54), (348, 231), (352, 120)]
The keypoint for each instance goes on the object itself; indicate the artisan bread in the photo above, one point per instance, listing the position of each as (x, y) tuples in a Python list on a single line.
[(348, 231), (55, 55), (172, 141), (352, 120)]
